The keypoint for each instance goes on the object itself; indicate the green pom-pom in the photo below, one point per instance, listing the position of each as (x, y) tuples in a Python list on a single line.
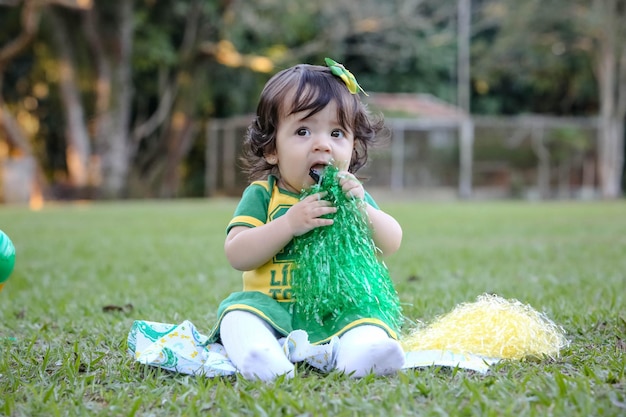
[(7, 257), (337, 270)]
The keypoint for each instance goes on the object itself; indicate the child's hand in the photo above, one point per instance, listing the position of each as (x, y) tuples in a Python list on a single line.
[(351, 186), (307, 214)]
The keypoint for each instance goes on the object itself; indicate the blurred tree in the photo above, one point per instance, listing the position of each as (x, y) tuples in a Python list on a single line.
[(604, 21), (551, 57), (26, 30), (108, 31), (78, 149), (231, 48), (20, 121), (169, 71), (394, 46), (525, 60)]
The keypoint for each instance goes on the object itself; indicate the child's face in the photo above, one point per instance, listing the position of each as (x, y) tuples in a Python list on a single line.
[(304, 143)]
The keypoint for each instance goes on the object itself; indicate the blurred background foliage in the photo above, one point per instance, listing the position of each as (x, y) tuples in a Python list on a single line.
[(113, 98)]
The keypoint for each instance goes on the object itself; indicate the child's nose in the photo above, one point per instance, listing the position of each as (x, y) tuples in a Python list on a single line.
[(322, 143)]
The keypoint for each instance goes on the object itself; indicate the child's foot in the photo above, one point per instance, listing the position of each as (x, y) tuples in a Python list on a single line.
[(263, 363), (381, 356)]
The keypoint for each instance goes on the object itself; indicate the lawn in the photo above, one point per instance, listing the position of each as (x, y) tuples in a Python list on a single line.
[(85, 272)]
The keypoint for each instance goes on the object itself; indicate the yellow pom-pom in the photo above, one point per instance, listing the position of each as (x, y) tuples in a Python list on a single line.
[(491, 327)]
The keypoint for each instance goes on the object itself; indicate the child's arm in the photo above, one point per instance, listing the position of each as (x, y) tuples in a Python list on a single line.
[(386, 231), (248, 248)]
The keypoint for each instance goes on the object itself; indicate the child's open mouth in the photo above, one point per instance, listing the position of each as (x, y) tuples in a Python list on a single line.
[(317, 171)]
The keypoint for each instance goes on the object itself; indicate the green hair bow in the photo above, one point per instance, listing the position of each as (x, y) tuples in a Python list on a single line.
[(346, 76)]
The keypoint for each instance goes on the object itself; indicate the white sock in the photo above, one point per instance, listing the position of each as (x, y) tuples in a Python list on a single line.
[(366, 349), (253, 348)]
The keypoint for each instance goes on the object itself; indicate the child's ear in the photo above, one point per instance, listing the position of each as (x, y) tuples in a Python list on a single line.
[(271, 159)]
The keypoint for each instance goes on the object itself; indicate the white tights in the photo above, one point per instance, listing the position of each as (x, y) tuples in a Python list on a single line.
[(253, 348)]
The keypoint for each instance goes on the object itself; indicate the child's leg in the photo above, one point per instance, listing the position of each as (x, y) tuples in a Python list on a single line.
[(252, 347), (366, 349)]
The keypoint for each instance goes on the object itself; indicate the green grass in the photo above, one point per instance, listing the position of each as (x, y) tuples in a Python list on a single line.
[(62, 354)]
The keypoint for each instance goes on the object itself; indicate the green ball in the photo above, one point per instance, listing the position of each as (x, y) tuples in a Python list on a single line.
[(7, 257)]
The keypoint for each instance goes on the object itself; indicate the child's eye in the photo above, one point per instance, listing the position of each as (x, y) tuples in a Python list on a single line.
[(337, 133), (302, 132)]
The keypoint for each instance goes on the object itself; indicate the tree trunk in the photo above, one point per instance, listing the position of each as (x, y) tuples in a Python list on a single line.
[(15, 136), (611, 148), (30, 16), (11, 128), (113, 121), (611, 130), (543, 162), (180, 136), (78, 143), (181, 128)]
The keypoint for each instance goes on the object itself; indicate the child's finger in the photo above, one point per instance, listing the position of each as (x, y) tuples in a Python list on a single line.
[(317, 196)]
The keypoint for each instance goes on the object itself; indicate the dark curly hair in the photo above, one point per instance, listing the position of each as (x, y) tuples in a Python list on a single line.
[(305, 88)]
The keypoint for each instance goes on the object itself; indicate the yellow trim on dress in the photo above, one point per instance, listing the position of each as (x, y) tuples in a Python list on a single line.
[(247, 220), (361, 322), (262, 183)]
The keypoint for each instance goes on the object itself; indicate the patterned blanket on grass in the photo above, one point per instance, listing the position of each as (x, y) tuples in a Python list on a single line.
[(181, 348)]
